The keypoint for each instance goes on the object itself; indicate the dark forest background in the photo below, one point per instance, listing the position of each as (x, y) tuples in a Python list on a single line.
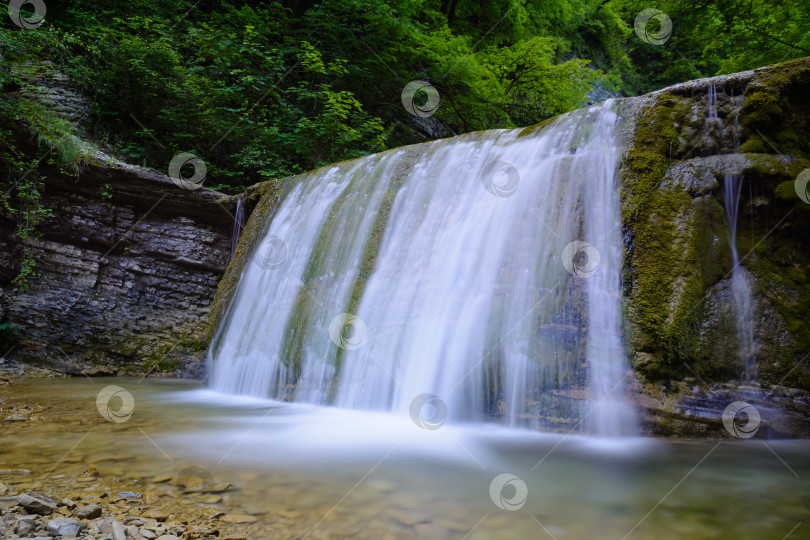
[(268, 89)]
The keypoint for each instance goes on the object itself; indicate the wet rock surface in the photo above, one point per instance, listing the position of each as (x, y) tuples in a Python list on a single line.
[(678, 261), (689, 409)]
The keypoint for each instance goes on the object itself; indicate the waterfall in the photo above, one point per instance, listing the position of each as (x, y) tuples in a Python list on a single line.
[(742, 294), (740, 280), (238, 225), (712, 102), (480, 273)]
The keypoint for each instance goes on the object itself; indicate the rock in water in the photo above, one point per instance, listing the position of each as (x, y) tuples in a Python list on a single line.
[(36, 505), (63, 526), (26, 525), (90, 511), (118, 531)]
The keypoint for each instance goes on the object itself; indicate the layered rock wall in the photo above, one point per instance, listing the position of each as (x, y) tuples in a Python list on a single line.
[(125, 270)]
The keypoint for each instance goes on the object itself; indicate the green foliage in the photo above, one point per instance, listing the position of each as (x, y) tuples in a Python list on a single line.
[(273, 89), (715, 37), (270, 89)]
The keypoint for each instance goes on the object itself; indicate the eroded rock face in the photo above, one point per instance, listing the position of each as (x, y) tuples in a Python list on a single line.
[(125, 271), (678, 261)]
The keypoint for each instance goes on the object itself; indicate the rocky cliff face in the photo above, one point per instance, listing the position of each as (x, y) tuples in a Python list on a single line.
[(125, 270), (684, 342)]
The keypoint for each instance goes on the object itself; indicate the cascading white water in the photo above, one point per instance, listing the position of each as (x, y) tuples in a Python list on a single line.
[(740, 280), (743, 299), (238, 225), (454, 268)]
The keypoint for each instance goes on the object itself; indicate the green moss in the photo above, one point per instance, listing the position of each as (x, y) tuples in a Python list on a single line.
[(650, 366), (761, 111), (778, 77), (50, 129), (266, 197), (775, 107), (536, 128), (646, 170), (753, 145), (678, 247), (657, 128), (672, 264), (193, 344)]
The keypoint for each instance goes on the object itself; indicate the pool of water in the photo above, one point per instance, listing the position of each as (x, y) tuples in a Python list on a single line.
[(311, 472)]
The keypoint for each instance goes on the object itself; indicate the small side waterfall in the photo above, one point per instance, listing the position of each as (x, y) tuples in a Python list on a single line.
[(740, 280), (238, 225), (476, 273)]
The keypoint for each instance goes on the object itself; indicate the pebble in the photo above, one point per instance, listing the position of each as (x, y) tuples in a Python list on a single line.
[(8, 502), (63, 526), (36, 505), (208, 499), (253, 509), (118, 531), (409, 517), (15, 471), (156, 514), (238, 518), (89, 511), (26, 525), (160, 479)]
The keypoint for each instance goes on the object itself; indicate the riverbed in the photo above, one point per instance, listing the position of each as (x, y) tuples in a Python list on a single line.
[(298, 471)]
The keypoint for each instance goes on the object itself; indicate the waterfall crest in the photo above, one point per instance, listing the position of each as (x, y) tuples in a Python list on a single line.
[(482, 271)]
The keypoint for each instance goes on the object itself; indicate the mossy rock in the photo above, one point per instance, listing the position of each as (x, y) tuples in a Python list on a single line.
[(761, 110), (753, 145), (650, 366), (261, 201), (775, 114), (678, 250)]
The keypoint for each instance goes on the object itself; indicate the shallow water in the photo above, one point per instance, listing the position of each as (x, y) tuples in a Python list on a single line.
[(316, 472)]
